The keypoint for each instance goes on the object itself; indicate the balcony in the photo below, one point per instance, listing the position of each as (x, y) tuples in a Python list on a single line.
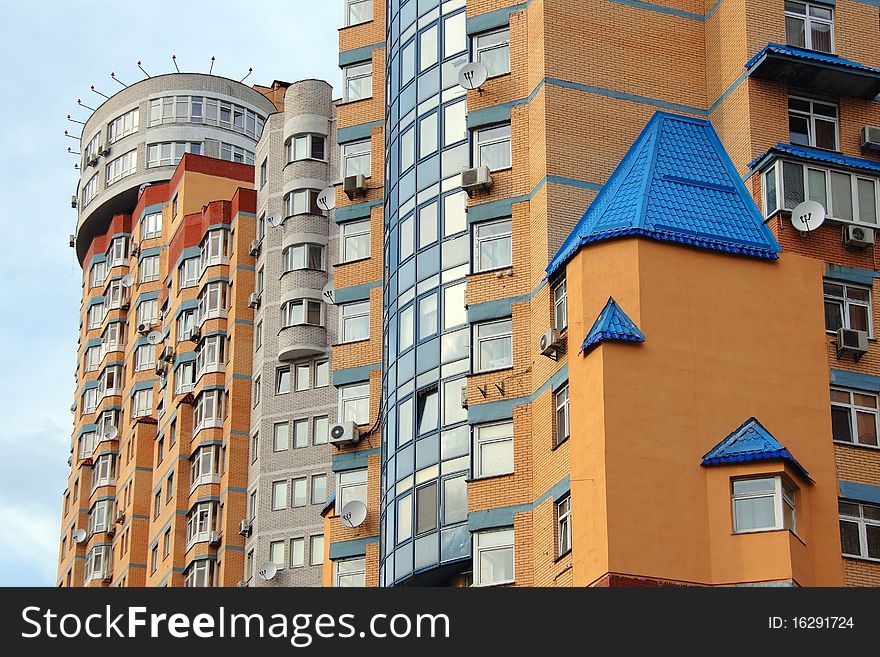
[(301, 340), (814, 71)]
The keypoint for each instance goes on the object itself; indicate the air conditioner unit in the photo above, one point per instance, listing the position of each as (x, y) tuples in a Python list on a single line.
[(71, 241), (86, 461), (135, 249), (167, 354), (354, 185), (104, 152), (93, 161), (69, 461), (214, 539), (852, 342), (254, 300), (244, 528), (549, 343), (464, 401), (255, 248), (195, 335), (111, 531), (344, 433), (73, 202), (108, 578), (870, 138), (120, 517), (161, 368), (125, 305), (473, 180), (858, 236), (144, 328)]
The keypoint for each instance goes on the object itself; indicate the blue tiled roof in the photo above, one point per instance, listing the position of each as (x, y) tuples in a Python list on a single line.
[(751, 442), (676, 184), (612, 324), (815, 155), (811, 55)]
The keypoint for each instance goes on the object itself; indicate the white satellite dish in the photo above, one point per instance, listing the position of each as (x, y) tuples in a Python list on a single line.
[(268, 570), (274, 220), (473, 75), (328, 292), (154, 337), (327, 199), (79, 535), (111, 434), (354, 513), (127, 280), (808, 216)]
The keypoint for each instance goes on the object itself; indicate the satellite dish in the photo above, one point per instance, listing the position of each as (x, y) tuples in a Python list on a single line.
[(127, 280), (111, 434), (79, 535), (473, 75), (328, 292), (154, 337), (327, 199), (274, 220), (268, 570), (354, 513), (808, 216)]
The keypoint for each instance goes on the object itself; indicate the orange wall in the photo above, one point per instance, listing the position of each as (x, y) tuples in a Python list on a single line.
[(726, 338)]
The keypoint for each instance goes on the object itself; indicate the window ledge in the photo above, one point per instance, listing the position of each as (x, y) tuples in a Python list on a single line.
[(489, 477), (356, 100), (349, 262), (562, 556), (491, 584), (860, 558), (560, 443), (341, 344), (490, 371), (859, 445)]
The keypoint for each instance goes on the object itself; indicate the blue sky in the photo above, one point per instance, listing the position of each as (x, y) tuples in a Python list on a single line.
[(50, 54)]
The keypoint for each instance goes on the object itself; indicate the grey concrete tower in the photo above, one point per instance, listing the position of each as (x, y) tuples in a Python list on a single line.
[(290, 478)]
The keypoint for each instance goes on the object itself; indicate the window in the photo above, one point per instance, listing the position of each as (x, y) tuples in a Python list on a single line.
[(493, 557), (351, 485), (302, 201), (98, 274), (258, 335), (185, 378), (117, 254), (255, 395), (212, 301), (185, 324), (560, 306), (859, 530), (297, 552), (355, 240), (249, 565), (264, 172), (169, 153), (493, 49), (210, 355), (122, 166), (98, 562), (847, 306), (169, 487), (276, 553), (96, 315), (100, 516), (87, 443), (812, 123), (90, 152), (144, 357), (316, 550), (104, 473), (200, 522), (302, 256), (809, 26), (563, 525), (208, 410), (493, 245), (299, 495), (151, 225), (90, 190), (494, 345), (355, 321), (233, 153), (252, 506), (493, 449), (301, 433), (92, 358), (147, 311), (322, 373), (189, 272), (255, 447), (854, 417), (320, 430), (301, 311), (563, 416), (199, 574), (763, 504), (356, 158), (142, 403), (351, 572), (846, 197), (305, 147), (123, 126), (281, 436), (148, 269), (358, 82), (319, 489), (157, 504), (279, 495), (358, 11), (213, 248), (354, 403), (110, 382), (302, 376), (204, 466), (166, 543), (492, 147)]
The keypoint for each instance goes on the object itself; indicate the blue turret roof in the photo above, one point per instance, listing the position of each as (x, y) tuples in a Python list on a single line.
[(612, 324), (675, 184), (751, 442)]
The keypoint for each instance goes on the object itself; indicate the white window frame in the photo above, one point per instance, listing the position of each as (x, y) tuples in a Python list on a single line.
[(316, 556), (504, 439), (301, 147), (233, 153), (350, 572), (356, 157), (123, 166), (862, 522), (560, 306), (97, 313), (208, 410), (142, 403), (808, 21), (204, 466), (123, 125), (280, 436), (354, 231), (200, 523), (302, 201), (854, 410), (484, 139), (110, 382), (276, 488), (492, 541), (295, 312), (493, 44), (147, 311), (148, 269), (479, 340), (351, 317), (90, 190), (351, 398), (104, 472), (98, 273), (199, 574), (299, 492), (350, 4), (562, 403), (780, 497), (563, 525), (89, 401), (351, 486), (302, 256), (185, 377), (845, 303), (811, 116), (98, 562), (213, 301), (320, 430), (298, 553), (117, 252), (480, 240), (354, 74), (211, 355), (92, 358)]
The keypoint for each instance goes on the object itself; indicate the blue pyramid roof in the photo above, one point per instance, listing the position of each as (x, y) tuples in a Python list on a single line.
[(676, 184), (751, 442), (612, 324)]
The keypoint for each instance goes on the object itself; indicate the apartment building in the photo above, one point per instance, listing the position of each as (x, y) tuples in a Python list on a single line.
[(604, 355)]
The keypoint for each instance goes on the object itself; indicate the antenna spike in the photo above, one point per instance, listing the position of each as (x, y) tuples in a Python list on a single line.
[(99, 93), (250, 70), (174, 59), (82, 104), (113, 75), (211, 70), (142, 69)]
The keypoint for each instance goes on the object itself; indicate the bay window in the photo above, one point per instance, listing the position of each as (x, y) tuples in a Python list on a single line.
[(763, 504), (205, 465), (208, 410), (302, 256), (200, 522), (306, 147), (199, 574), (301, 311), (210, 355), (212, 301), (302, 201)]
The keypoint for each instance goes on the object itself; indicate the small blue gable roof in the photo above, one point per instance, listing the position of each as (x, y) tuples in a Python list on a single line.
[(676, 184), (751, 442), (612, 324)]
